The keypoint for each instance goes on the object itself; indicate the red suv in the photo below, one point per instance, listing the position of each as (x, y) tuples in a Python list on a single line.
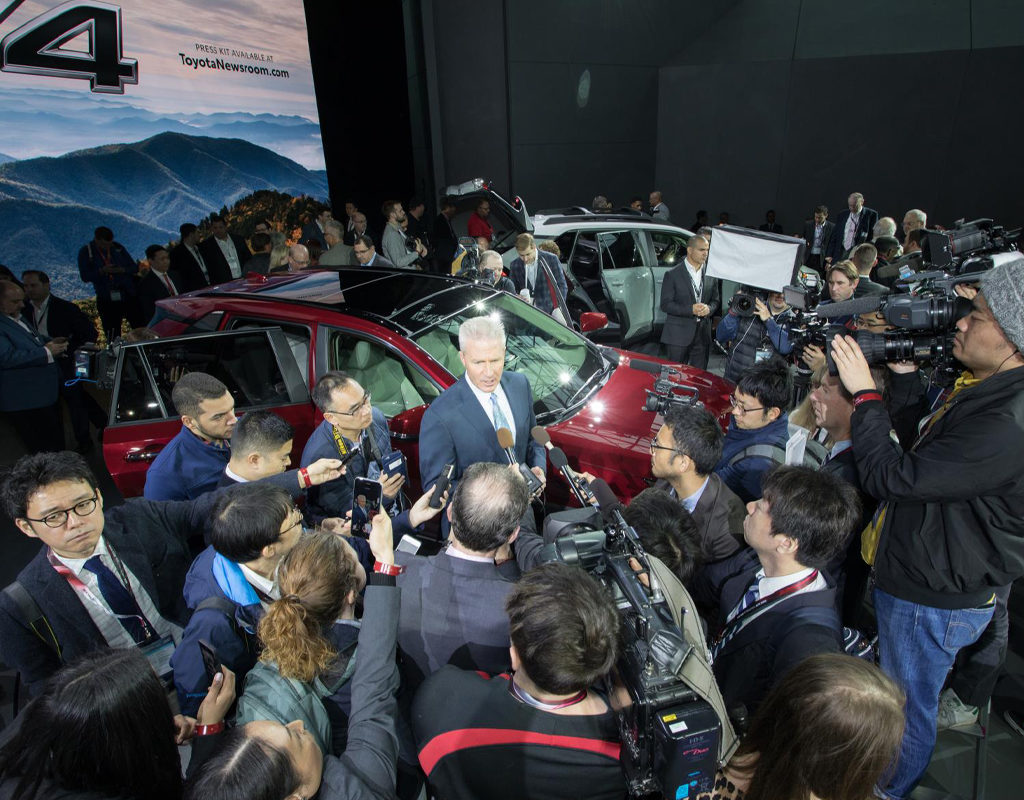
[(396, 332)]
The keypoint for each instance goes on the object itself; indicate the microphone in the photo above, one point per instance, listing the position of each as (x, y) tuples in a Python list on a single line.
[(645, 366), (507, 443), (859, 305), (579, 485)]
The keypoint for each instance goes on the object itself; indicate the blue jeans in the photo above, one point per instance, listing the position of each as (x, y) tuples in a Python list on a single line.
[(917, 645)]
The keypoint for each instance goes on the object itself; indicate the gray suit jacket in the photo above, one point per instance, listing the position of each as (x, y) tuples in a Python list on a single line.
[(661, 212), (338, 256), (677, 302)]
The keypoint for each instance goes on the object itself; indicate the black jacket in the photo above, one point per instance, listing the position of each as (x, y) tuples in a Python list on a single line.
[(216, 264), (185, 265), (153, 288), (954, 522)]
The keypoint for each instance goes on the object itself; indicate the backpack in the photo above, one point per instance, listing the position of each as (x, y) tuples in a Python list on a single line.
[(814, 453)]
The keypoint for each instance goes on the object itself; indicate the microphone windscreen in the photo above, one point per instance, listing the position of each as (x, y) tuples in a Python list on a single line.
[(859, 305), (558, 457), (540, 435), (645, 366), (505, 439)]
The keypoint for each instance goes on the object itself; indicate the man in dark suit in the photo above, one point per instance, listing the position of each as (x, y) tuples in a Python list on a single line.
[(223, 253), (864, 258), (690, 299), (260, 261), (188, 262), (314, 229), (55, 318), (853, 227), (366, 253), (110, 268), (770, 225), (159, 282), (356, 228), (105, 577), (444, 237), (460, 425), (818, 234), (776, 606), (453, 604), (684, 453), (539, 273), (29, 375)]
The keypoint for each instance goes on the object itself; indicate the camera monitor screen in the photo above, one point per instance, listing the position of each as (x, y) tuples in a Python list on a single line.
[(754, 258)]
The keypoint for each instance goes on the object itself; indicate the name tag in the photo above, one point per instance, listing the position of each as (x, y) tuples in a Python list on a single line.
[(159, 654)]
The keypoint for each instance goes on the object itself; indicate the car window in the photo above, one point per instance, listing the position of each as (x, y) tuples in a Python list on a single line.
[(561, 365), (297, 336), (669, 248), (565, 243), (136, 398), (395, 384), (246, 363), (620, 249), (585, 263)]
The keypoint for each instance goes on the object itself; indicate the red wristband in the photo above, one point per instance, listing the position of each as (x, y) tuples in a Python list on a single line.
[(866, 396), (304, 475), (387, 569), (206, 730)]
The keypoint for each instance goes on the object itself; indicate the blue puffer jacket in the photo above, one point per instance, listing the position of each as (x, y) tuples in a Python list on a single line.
[(744, 477), (234, 639)]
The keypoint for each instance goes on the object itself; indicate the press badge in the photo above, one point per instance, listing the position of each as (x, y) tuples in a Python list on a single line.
[(762, 354), (159, 654)]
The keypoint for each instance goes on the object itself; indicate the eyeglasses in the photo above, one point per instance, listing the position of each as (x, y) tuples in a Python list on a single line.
[(355, 409), (58, 519), (656, 446), (736, 406)]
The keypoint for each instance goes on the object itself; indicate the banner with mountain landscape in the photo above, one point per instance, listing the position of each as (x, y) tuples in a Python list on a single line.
[(144, 115)]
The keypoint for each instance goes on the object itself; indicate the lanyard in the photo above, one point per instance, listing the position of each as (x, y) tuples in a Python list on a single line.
[(76, 583), (524, 696), (741, 620)]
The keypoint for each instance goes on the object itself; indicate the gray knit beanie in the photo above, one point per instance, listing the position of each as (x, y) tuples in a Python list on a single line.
[(1003, 287)]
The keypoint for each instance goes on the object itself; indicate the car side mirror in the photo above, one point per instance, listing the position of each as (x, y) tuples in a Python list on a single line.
[(593, 321)]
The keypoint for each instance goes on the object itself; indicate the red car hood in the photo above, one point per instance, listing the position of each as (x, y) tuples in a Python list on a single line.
[(614, 419)]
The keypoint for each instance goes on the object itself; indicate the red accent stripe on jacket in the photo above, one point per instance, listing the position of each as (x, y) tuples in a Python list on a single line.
[(465, 738)]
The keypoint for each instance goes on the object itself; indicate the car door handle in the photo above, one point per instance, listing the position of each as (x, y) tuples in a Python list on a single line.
[(147, 453)]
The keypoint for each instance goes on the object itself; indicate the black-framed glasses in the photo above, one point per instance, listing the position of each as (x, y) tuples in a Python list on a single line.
[(656, 446), (355, 409), (737, 406), (57, 519)]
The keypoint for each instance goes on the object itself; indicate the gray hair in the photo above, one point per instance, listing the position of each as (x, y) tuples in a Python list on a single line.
[(490, 259), (919, 215), (335, 228), (481, 329), (886, 226)]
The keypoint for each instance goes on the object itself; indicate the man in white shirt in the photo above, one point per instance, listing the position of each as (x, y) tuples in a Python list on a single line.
[(224, 253)]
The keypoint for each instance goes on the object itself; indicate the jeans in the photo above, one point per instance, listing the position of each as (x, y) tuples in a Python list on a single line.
[(978, 666), (917, 646)]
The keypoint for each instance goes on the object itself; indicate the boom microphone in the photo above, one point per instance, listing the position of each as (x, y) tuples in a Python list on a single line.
[(858, 305), (645, 366), (507, 444)]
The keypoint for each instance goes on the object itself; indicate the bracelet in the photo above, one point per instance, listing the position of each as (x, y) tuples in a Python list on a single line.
[(866, 396), (304, 477), (206, 730), (387, 569)]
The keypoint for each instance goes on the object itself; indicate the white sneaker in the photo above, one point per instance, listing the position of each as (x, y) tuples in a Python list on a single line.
[(954, 713)]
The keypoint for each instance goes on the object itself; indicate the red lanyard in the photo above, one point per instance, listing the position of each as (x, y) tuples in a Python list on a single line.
[(741, 619), (76, 583)]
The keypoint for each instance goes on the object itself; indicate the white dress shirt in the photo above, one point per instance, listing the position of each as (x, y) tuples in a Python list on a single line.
[(484, 398)]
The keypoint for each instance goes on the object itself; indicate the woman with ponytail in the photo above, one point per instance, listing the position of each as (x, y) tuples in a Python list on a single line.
[(308, 638)]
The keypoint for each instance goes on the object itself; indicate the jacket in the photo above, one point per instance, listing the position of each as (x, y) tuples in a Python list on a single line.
[(91, 262), (744, 477), (543, 289), (750, 332), (954, 503), (677, 300), (394, 250), (233, 638), (28, 379), (186, 468)]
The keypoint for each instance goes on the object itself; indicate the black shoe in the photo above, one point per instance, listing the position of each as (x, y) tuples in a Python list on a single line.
[(1015, 721)]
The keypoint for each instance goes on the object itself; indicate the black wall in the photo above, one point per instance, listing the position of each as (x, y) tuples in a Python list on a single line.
[(736, 106)]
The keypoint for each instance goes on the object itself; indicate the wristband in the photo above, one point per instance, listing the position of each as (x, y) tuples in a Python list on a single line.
[(387, 569), (866, 396), (304, 477), (207, 730)]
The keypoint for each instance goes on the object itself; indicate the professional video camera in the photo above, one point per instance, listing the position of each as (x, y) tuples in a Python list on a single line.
[(948, 249), (668, 389), (671, 737), (744, 301), (97, 365)]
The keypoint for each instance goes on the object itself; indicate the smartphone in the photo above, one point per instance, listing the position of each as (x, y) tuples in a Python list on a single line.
[(443, 482), (211, 663), (82, 363), (394, 463), (366, 500)]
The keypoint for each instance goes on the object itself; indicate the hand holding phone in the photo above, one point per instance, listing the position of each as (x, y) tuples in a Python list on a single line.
[(366, 503)]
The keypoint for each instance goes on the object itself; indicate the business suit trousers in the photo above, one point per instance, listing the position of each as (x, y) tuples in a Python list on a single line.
[(695, 354), (41, 429)]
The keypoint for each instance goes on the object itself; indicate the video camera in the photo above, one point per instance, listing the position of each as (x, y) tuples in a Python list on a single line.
[(671, 737), (668, 390), (95, 364), (744, 301)]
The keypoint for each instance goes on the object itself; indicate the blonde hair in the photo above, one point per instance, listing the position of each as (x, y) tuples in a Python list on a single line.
[(315, 578), (278, 257)]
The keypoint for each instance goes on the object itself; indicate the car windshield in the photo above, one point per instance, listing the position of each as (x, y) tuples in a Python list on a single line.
[(563, 368)]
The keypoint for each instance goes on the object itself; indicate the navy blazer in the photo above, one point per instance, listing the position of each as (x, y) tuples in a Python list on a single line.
[(456, 430), (153, 288), (677, 302), (542, 291), (868, 218), (27, 378)]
